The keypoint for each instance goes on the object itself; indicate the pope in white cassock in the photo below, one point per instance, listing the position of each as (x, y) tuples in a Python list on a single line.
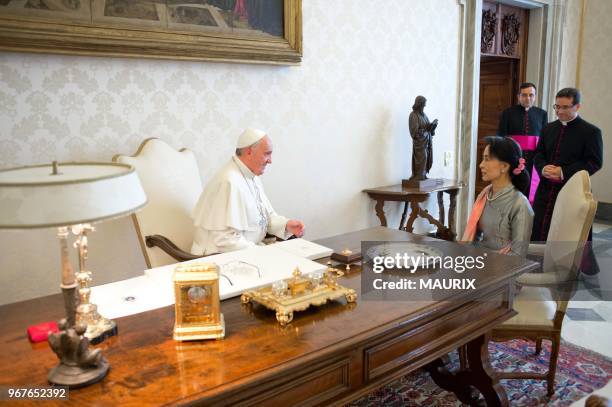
[(233, 211)]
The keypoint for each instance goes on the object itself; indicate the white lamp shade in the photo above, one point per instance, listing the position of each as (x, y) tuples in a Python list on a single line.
[(33, 197)]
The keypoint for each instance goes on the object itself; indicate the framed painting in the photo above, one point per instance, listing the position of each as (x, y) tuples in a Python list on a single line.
[(256, 31)]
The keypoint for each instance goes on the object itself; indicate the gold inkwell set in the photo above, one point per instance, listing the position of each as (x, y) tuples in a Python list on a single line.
[(197, 304), (300, 292)]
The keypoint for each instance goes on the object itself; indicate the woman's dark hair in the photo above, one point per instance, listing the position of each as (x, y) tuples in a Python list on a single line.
[(507, 150)]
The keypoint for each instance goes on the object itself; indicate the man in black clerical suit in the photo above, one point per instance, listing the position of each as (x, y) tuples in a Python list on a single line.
[(566, 146), (524, 123)]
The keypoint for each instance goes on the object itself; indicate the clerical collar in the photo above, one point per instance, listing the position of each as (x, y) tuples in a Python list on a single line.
[(565, 123), (243, 168), (521, 107)]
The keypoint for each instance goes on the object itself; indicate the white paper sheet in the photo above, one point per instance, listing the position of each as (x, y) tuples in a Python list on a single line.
[(304, 248)]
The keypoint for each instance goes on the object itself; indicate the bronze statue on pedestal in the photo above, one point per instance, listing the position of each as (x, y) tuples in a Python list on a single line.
[(422, 132)]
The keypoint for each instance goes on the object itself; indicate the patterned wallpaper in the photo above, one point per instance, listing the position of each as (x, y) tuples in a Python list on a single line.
[(338, 121), (595, 80)]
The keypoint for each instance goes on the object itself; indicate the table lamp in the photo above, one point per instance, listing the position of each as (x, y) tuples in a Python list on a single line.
[(70, 196)]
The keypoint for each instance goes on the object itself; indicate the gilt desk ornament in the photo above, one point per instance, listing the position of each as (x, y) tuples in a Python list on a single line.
[(70, 196), (197, 304), (421, 132), (299, 292)]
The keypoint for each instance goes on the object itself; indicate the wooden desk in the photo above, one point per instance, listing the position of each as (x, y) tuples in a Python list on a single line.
[(414, 196), (329, 355)]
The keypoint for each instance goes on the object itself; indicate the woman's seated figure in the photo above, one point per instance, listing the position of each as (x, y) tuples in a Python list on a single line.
[(502, 217)]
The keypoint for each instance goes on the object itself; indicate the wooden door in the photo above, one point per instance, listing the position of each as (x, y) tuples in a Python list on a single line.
[(498, 81)]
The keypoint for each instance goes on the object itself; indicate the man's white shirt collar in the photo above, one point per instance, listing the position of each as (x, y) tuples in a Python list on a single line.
[(243, 168), (565, 123)]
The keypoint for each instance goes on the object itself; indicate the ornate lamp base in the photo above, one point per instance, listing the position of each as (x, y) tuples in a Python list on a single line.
[(98, 327), (103, 330)]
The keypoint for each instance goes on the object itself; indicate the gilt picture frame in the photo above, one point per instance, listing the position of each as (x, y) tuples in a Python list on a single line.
[(251, 31)]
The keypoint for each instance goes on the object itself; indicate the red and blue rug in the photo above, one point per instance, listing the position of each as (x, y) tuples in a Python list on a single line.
[(579, 372)]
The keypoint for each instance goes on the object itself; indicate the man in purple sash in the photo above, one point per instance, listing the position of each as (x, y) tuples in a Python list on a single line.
[(524, 122)]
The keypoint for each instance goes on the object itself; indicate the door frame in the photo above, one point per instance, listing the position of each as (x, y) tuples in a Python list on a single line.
[(543, 56)]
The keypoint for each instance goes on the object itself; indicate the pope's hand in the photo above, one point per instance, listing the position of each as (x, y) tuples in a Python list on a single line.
[(295, 227)]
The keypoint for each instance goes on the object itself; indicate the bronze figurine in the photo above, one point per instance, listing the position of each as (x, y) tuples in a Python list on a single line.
[(79, 366), (422, 132)]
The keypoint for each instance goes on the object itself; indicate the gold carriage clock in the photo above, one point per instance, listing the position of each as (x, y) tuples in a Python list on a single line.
[(197, 305)]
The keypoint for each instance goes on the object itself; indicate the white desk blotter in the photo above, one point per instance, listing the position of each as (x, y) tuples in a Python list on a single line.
[(243, 269), (131, 296)]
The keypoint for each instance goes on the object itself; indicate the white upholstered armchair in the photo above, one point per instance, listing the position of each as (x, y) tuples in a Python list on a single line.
[(571, 221), (171, 180), (543, 297)]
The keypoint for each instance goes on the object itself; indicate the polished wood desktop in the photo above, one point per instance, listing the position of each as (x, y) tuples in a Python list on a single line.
[(413, 196), (327, 355)]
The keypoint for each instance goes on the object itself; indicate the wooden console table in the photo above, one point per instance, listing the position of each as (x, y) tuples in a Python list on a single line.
[(329, 355), (414, 196)]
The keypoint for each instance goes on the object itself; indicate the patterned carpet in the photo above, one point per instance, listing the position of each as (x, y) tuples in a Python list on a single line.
[(579, 372)]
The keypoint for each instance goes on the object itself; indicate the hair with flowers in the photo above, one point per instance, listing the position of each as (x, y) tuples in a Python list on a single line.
[(520, 167)]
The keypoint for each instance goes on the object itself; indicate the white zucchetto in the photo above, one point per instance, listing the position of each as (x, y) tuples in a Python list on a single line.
[(249, 137)]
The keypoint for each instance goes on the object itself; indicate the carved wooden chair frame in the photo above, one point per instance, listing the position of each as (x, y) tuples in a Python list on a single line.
[(160, 241)]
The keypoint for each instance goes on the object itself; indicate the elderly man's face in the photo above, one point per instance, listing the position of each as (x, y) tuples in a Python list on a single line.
[(258, 157)]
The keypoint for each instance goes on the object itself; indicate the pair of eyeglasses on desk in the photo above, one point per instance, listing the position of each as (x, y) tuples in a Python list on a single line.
[(238, 268)]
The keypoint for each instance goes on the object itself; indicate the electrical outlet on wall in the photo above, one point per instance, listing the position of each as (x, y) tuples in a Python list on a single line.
[(448, 156)]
